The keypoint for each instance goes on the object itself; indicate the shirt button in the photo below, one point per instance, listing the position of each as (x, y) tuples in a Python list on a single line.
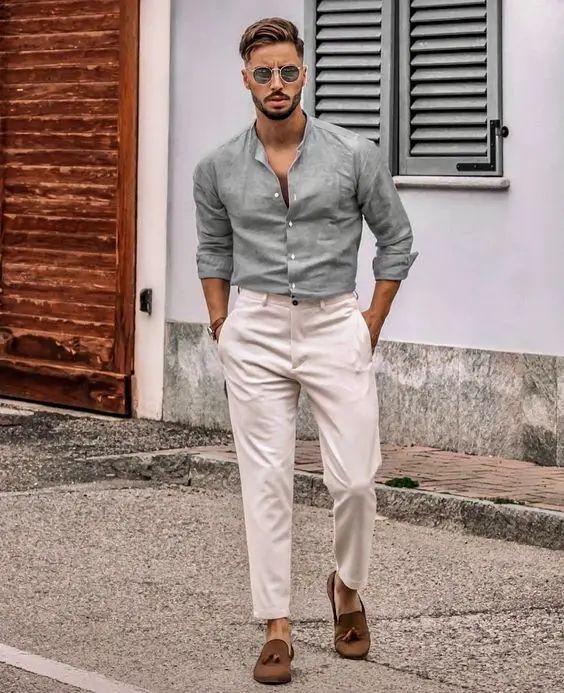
[(293, 286), (276, 194), (290, 224), (293, 256)]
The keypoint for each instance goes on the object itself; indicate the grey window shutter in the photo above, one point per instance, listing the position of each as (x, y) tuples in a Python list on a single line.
[(349, 57), (450, 87)]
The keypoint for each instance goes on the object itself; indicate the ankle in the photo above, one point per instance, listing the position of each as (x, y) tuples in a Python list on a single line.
[(278, 628), (343, 590)]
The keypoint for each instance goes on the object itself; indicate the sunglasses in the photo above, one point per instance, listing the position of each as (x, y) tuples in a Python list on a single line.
[(263, 75)]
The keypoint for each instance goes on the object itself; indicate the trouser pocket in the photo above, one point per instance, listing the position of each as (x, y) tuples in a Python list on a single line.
[(366, 336)]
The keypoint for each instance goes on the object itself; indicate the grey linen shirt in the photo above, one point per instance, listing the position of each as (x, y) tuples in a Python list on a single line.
[(249, 237)]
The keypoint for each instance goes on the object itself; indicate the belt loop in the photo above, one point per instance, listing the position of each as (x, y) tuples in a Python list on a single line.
[(238, 289), (322, 304), (264, 300), (355, 293)]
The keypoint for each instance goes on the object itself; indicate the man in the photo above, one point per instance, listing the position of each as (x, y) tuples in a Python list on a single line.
[(279, 213)]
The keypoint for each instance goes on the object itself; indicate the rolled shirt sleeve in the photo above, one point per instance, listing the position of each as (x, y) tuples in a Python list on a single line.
[(385, 215), (214, 255)]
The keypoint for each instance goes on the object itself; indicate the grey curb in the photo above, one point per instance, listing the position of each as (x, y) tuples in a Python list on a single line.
[(525, 525)]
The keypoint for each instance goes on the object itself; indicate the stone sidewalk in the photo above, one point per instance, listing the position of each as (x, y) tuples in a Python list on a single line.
[(470, 476)]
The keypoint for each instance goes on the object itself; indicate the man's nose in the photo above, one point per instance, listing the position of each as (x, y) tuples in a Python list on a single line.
[(276, 81)]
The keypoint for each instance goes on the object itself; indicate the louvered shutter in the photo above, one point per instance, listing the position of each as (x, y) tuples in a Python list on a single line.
[(349, 57), (450, 104)]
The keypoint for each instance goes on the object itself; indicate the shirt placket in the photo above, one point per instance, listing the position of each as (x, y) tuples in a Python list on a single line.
[(290, 223), (291, 237)]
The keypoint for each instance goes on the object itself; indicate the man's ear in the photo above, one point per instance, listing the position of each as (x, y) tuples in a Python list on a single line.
[(245, 76), (306, 75)]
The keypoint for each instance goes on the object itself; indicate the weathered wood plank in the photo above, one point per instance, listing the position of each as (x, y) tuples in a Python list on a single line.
[(46, 26), (104, 125), (59, 257), (32, 140), (77, 193), (22, 76), (74, 387), (57, 157), (45, 323), (71, 225), (83, 40), (10, 303), (12, 3), (88, 352), (103, 175), (32, 204), (59, 58), (54, 290), (84, 242), (61, 92), (49, 276), (60, 8), (61, 107)]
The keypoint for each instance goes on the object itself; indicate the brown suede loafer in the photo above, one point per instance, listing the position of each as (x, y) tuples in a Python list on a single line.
[(273, 664), (352, 637)]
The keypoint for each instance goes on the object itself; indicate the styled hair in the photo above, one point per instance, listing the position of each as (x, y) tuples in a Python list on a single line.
[(268, 31)]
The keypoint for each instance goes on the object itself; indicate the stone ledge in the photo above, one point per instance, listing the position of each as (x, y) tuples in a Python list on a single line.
[(453, 182), (544, 528)]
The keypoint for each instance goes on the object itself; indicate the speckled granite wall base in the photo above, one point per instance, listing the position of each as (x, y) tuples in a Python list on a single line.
[(483, 402), (468, 400)]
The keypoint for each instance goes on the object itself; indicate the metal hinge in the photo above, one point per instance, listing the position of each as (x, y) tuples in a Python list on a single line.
[(496, 130)]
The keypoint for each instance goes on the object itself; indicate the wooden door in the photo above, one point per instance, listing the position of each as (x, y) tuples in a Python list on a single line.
[(68, 95)]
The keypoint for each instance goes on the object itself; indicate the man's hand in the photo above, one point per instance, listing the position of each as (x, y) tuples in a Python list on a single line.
[(375, 321), (216, 292), (384, 294)]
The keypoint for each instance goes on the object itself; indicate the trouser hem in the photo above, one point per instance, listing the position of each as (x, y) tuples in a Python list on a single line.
[(350, 583), (273, 613)]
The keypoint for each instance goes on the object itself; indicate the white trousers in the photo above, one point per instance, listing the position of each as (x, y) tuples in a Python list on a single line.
[(269, 349)]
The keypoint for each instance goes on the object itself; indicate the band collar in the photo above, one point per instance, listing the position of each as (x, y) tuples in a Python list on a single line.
[(260, 152)]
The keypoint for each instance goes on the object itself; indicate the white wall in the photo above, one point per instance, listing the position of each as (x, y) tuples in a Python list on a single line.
[(490, 273), (491, 268), (209, 105)]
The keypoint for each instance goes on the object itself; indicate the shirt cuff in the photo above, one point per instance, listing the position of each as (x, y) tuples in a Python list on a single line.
[(215, 266), (392, 266)]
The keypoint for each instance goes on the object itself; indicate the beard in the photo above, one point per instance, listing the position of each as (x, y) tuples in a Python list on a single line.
[(278, 115)]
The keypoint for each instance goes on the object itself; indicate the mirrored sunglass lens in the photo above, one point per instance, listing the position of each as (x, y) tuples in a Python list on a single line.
[(262, 75), (290, 73)]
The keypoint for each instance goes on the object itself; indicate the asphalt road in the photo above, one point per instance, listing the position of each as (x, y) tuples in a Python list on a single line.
[(47, 448), (148, 586)]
